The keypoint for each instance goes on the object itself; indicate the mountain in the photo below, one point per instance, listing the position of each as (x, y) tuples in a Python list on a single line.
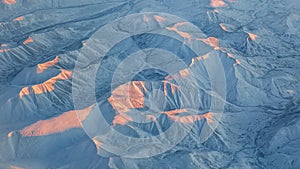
[(156, 84)]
